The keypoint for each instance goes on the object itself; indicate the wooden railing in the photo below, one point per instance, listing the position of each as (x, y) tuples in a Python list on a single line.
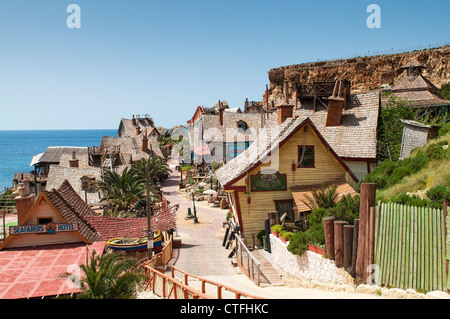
[(247, 262), (169, 287), (218, 290)]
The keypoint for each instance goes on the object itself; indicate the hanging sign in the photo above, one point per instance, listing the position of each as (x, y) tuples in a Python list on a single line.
[(49, 228), (268, 182)]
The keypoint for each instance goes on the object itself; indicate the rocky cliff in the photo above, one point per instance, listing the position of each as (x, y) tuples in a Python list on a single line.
[(365, 73)]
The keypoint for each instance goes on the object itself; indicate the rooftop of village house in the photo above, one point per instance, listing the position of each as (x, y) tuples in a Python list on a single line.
[(415, 88)]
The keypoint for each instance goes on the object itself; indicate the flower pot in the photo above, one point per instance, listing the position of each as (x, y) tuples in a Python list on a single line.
[(276, 234), (316, 249)]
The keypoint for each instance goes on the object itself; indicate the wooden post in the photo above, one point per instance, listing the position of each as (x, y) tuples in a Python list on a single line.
[(328, 226), (348, 246), (274, 218), (339, 242), (368, 192), (354, 247)]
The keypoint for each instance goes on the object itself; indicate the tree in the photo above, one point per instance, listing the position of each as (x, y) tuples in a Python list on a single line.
[(445, 90), (158, 169), (121, 191), (108, 277), (390, 127)]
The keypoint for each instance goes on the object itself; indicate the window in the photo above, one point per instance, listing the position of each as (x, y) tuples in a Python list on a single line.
[(242, 126), (44, 221), (308, 158), (285, 206)]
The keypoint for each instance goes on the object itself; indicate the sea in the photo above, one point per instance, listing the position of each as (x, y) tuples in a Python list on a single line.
[(17, 148)]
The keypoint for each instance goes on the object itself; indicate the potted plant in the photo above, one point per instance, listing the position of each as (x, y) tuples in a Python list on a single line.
[(285, 236), (317, 248), (276, 229)]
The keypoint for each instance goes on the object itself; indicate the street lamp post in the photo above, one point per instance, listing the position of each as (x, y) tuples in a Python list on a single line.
[(195, 211), (149, 232)]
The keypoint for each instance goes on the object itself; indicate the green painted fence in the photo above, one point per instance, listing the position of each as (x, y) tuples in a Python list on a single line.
[(448, 250), (410, 247)]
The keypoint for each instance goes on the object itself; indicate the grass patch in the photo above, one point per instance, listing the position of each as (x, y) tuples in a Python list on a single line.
[(427, 169)]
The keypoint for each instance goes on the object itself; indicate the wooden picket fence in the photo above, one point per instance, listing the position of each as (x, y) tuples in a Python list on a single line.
[(410, 247)]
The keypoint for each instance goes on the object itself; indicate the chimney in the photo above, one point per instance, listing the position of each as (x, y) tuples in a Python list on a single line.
[(336, 104), (23, 202), (285, 109), (133, 120), (73, 162), (220, 114), (138, 130), (144, 144)]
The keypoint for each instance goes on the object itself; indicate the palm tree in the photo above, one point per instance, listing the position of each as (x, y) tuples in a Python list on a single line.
[(108, 277), (121, 191), (158, 169), (323, 198)]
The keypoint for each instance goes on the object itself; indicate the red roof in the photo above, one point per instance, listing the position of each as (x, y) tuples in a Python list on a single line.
[(112, 227), (34, 272)]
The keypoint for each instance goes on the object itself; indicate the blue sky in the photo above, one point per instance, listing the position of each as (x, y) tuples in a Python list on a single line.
[(164, 58)]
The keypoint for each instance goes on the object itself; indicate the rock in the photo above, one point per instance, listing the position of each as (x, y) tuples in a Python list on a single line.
[(438, 295), (394, 293), (365, 72), (367, 289)]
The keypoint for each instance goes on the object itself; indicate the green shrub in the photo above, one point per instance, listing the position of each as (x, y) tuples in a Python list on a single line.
[(435, 151), (438, 193), (397, 175), (418, 161), (347, 209), (381, 174), (286, 234), (277, 228), (414, 200), (298, 244), (261, 234)]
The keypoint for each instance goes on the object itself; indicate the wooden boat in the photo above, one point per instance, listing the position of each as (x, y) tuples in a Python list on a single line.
[(134, 244)]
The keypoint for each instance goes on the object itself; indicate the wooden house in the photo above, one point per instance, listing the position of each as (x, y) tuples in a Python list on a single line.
[(56, 217), (418, 91), (60, 216), (224, 132), (266, 177)]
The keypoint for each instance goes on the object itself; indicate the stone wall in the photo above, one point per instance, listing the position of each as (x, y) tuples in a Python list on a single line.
[(58, 174), (309, 266)]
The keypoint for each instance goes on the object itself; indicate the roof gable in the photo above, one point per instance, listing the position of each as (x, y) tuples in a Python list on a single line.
[(270, 139), (69, 207)]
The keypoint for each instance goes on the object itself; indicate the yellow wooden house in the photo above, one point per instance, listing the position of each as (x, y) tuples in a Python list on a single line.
[(286, 162)]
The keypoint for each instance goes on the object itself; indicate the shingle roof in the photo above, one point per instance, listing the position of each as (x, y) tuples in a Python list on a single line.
[(54, 153), (299, 192), (131, 146), (129, 129), (418, 91), (72, 208), (356, 137), (112, 227), (269, 139)]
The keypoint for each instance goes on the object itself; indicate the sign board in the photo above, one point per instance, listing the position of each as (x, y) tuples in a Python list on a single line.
[(49, 228), (268, 182)]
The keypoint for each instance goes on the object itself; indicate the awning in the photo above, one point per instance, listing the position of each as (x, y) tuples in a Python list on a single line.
[(299, 192), (36, 159)]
